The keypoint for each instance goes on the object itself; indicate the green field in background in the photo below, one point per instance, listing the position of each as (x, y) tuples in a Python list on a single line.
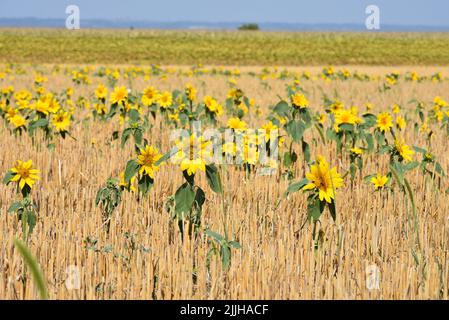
[(222, 47)]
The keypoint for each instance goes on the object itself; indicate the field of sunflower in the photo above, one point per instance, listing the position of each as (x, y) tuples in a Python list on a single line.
[(152, 182)]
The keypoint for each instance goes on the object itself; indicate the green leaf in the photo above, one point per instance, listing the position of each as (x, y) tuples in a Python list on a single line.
[(145, 184), (347, 127), (166, 156), (138, 135), (214, 235), (213, 178), (397, 173), (282, 109), (8, 176), (134, 115), (200, 198), (125, 136), (419, 150), (235, 244), (332, 210), (295, 129), (15, 207), (225, 256), (370, 142), (132, 167), (184, 198), (296, 186), (34, 267), (31, 221), (51, 146), (39, 123), (369, 120), (439, 169), (411, 165), (306, 150), (314, 209)]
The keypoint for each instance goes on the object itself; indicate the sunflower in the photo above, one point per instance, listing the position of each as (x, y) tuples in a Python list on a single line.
[(101, 92), (42, 107), (212, 105), (336, 106), (61, 121), (401, 123), (125, 185), (321, 118), (25, 174), (147, 159), (384, 122), (299, 101), (18, 121), (323, 179), (192, 165), (396, 108), (165, 99), (404, 150), (379, 181), (100, 108), (236, 124), (193, 154), (149, 96), (356, 151), (269, 128), (119, 95), (346, 116), (190, 92)]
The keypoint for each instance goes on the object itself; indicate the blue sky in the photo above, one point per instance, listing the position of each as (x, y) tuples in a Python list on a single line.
[(399, 12)]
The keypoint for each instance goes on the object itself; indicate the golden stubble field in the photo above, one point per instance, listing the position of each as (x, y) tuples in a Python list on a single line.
[(277, 259)]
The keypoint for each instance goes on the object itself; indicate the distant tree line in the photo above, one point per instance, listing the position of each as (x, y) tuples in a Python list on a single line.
[(249, 26)]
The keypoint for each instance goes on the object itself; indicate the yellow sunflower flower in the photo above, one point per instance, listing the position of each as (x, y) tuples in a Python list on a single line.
[(165, 99), (379, 181), (25, 174), (147, 159), (324, 180), (149, 96), (18, 121), (299, 101), (101, 92), (404, 150), (236, 124), (384, 122), (61, 121), (119, 95)]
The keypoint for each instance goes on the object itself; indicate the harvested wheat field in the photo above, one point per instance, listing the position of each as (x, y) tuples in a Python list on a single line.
[(352, 204)]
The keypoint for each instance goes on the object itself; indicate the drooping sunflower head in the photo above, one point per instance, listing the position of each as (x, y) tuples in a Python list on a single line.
[(190, 92), (405, 152)]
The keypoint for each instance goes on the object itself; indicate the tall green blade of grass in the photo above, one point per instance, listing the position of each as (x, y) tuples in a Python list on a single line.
[(34, 267)]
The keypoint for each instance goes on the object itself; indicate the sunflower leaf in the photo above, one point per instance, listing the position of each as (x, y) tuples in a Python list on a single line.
[(132, 167), (8, 176), (213, 178)]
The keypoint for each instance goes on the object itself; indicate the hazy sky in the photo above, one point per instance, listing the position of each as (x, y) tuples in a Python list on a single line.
[(400, 12)]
